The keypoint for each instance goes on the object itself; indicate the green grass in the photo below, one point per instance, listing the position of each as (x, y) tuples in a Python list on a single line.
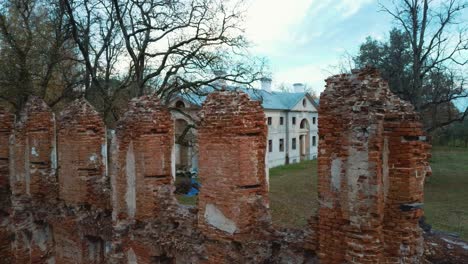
[(186, 200), (446, 191), (293, 192)]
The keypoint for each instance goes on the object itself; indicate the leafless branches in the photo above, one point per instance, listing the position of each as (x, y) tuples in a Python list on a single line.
[(438, 37)]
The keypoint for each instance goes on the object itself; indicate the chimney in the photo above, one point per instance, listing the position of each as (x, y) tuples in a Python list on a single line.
[(298, 87), (266, 84)]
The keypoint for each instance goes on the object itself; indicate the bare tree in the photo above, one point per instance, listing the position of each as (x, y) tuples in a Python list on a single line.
[(36, 51), (182, 45), (438, 37), (97, 36), (131, 47)]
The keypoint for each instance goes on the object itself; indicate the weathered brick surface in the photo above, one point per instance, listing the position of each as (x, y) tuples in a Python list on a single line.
[(372, 165), (232, 138), (372, 162), (142, 161), (233, 200), (33, 150), (6, 128), (82, 156), (32, 179)]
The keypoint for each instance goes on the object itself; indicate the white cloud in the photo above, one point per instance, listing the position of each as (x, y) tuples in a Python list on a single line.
[(348, 8), (312, 74), (292, 32), (271, 21)]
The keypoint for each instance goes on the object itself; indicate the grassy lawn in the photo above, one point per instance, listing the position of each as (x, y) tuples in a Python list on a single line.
[(293, 192), (446, 192)]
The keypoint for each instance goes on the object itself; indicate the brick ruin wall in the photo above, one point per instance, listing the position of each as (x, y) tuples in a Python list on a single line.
[(77, 193), (372, 163)]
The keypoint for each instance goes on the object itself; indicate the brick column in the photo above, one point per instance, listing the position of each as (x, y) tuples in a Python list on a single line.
[(6, 127), (233, 200), (408, 155), (34, 152), (32, 179), (142, 176), (82, 155), (142, 159), (368, 173), (350, 193)]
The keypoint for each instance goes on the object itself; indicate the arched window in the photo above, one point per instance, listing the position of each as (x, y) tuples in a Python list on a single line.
[(304, 124), (304, 102), (180, 104)]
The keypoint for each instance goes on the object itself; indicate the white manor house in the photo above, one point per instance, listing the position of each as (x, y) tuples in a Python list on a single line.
[(291, 117)]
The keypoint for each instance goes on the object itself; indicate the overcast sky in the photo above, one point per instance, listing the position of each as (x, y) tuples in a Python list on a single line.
[(303, 38)]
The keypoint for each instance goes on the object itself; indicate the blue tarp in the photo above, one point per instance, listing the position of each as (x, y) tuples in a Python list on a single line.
[(194, 190)]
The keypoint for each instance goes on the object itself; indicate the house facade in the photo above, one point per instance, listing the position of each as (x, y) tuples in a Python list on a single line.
[(292, 126), (292, 132)]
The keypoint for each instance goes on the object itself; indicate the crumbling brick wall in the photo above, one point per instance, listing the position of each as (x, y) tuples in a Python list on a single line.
[(143, 160), (232, 138), (32, 180), (64, 207), (372, 164), (142, 180), (82, 155), (233, 200), (6, 128)]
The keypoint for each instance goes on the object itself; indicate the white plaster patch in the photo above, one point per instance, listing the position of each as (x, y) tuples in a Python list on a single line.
[(93, 157), (113, 173), (53, 153), (104, 156), (385, 173), (173, 161), (34, 152), (336, 174), (130, 195), (40, 239), (216, 218), (357, 167), (27, 167), (404, 249), (326, 202), (131, 257)]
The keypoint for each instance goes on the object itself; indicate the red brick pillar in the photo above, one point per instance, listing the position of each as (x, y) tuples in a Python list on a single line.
[(233, 200), (34, 157), (82, 156), (350, 191), (6, 127), (142, 176), (360, 182), (32, 179), (408, 155)]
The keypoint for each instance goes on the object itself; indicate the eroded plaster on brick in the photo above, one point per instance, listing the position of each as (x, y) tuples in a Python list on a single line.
[(130, 194), (336, 174), (371, 131), (372, 161), (213, 216)]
